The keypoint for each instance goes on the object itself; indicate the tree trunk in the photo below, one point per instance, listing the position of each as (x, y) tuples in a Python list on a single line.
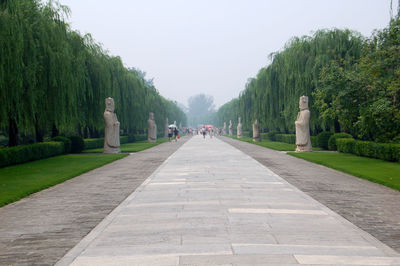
[(38, 133), (12, 133), (54, 131)]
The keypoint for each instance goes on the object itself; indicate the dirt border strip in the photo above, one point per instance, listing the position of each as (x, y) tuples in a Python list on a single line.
[(42, 228), (370, 206)]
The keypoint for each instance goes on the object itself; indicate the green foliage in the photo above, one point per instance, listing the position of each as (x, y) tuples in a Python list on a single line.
[(287, 138), (93, 143), (383, 151), (271, 136), (345, 145), (363, 97), (123, 139), (59, 79), (323, 139), (77, 144), (332, 140), (314, 141), (273, 95), (378, 171), (67, 142), (21, 180), (132, 147), (353, 84), (32, 152)]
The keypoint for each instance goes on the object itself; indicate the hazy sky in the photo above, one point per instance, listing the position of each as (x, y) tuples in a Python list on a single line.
[(212, 46)]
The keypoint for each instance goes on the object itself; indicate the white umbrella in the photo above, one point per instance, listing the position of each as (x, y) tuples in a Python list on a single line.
[(172, 126)]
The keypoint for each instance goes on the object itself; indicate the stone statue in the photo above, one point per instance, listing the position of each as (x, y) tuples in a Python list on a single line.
[(111, 131), (152, 131), (224, 129), (256, 131), (239, 130), (175, 123), (230, 128), (166, 128), (303, 140), (180, 127)]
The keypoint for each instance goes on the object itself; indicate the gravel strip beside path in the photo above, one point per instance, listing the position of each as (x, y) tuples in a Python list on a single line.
[(372, 207), (41, 228)]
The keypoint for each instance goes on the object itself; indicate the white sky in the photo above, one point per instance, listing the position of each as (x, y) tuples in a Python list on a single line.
[(212, 46)]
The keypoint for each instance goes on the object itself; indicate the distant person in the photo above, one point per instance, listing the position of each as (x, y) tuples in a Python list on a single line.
[(170, 134), (176, 132), (204, 133)]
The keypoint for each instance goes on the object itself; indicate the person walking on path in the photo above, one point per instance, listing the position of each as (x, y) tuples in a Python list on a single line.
[(169, 134), (176, 132)]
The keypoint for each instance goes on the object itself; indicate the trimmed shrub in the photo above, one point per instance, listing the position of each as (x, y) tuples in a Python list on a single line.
[(314, 141), (287, 138), (123, 139), (77, 144), (332, 140), (323, 139), (345, 145), (135, 138), (93, 143), (67, 142), (32, 152), (271, 135), (264, 136)]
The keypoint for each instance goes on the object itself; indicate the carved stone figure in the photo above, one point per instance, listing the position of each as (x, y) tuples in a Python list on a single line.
[(256, 131), (180, 127), (111, 130), (152, 129), (239, 129), (166, 128), (224, 129), (230, 128), (303, 140)]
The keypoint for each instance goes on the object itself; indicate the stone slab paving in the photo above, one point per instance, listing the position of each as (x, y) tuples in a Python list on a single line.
[(42, 228), (211, 204), (372, 207)]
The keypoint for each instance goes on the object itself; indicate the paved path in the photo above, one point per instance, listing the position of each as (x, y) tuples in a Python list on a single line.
[(372, 207), (40, 229), (210, 204)]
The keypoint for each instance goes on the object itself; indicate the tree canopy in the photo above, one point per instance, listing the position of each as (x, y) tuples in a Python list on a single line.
[(54, 80), (352, 82)]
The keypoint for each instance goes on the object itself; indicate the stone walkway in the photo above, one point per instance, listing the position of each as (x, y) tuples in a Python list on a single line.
[(40, 229), (211, 204), (372, 207)]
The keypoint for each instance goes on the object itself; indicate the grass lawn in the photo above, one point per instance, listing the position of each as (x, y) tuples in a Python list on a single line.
[(19, 181), (132, 147), (378, 171), (274, 145)]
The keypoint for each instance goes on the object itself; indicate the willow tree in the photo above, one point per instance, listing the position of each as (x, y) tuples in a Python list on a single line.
[(54, 81), (273, 95)]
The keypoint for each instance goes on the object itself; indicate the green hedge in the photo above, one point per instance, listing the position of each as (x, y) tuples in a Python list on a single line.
[(287, 138), (99, 142), (77, 144), (332, 140), (93, 143), (323, 139), (67, 143), (123, 139), (32, 152), (383, 151), (314, 141)]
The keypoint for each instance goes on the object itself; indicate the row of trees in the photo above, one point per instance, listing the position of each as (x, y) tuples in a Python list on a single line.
[(353, 84), (54, 81)]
